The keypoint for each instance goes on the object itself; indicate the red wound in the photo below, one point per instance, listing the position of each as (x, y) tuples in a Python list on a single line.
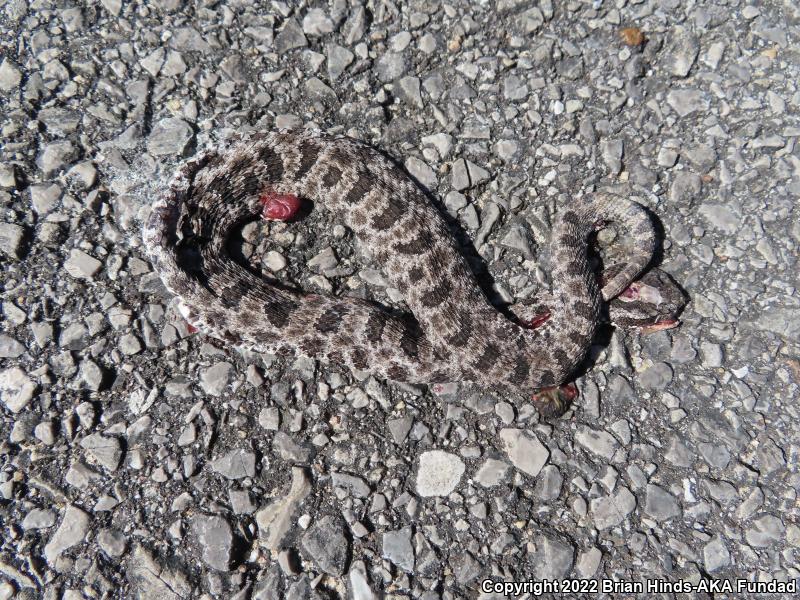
[(536, 321), (191, 328), (279, 207)]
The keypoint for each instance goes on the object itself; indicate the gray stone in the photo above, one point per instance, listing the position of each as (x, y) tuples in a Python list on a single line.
[(16, 388), (765, 531), (611, 150), (316, 88), (657, 377), (397, 548), (150, 579), (10, 77), (327, 544), (466, 174), (680, 52), (601, 443), (74, 336), (236, 464), (10, 347), (112, 542), (11, 238), (215, 379), (515, 88), (355, 485), (241, 502), (275, 520), (554, 558), (610, 511), (390, 66), (588, 562), (399, 428), (129, 344), (81, 265), (72, 531), (524, 450), (215, 538), (316, 22), (56, 156), (492, 472), (549, 485), (39, 519), (687, 101), (289, 37), (105, 450), (270, 418), (439, 473), (339, 58), (421, 172), (716, 555), (408, 90), (660, 504), (170, 137), (714, 454)]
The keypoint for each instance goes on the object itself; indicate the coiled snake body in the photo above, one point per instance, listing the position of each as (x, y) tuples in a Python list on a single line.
[(453, 333)]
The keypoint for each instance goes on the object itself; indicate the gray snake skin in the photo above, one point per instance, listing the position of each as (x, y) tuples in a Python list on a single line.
[(453, 333)]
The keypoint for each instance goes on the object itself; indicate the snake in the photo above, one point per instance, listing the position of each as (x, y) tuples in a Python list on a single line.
[(448, 330)]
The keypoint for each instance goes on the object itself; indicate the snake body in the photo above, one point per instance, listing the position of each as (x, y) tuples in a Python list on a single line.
[(452, 332)]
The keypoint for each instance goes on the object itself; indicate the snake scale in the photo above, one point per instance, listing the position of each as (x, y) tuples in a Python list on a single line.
[(452, 332)]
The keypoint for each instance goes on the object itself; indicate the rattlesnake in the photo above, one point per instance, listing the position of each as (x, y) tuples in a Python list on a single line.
[(452, 333)]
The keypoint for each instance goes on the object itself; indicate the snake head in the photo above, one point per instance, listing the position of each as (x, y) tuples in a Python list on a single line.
[(552, 402), (651, 303)]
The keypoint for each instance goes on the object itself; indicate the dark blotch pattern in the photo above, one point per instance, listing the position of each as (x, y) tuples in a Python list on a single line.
[(388, 217), (309, 152), (374, 327), (438, 294), (272, 162), (488, 358), (331, 319)]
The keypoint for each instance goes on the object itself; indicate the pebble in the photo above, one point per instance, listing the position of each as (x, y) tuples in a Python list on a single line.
[(316, 22), (680, 52), (81, 265), (151, 579), (215, 538), (16, 388), (10, 76), (11, 240), (390, 67), (554, 558), (39, 519), (236, 464), (601, 443), (107, 451), (765, 531), (338, 59), (660, 504), (56, 156), (327, 545), (439, 473), (169, 137), (289, 37), (610, 511), (275, 519), (112, 542), (656, 377), (492, 472), (716, 555), (524, 450), (215, 379), (396, 547), (72, 531)]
